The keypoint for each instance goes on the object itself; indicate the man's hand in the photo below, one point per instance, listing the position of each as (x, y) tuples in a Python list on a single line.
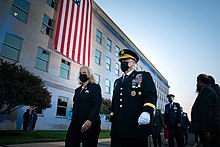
[(144, 118), (87, 124)]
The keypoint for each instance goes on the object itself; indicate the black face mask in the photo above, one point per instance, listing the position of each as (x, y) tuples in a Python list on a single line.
[(124, 66), (83, 77)]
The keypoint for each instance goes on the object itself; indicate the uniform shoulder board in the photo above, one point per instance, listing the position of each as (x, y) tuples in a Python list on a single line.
[(142, 72)]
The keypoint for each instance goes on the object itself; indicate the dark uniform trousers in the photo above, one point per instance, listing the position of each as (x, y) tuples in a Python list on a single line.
[(131, 97)]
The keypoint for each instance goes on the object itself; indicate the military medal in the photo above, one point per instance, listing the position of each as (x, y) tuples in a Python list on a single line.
[(133, 83), (133, 93)]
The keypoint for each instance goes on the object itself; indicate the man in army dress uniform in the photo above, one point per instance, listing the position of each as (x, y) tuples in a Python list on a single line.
[(133, 102)]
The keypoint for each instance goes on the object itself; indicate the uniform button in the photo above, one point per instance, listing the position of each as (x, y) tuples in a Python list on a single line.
[(120, 100), (120, 93), (120, 106), (121, 88)]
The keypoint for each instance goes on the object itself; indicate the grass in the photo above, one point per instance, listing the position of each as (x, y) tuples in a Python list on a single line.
[(18, 137)]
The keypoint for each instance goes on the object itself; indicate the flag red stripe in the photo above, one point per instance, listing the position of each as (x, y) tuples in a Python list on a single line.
[(85, 41), (64, 28), (69, 35), (75, 33), (58, 25), (81, 29), (90, 33)]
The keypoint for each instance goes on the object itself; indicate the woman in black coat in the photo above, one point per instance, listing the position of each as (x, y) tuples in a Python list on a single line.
[(85, 125)]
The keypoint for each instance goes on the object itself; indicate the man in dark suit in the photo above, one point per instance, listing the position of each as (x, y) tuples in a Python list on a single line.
[(184, 124), (205, 113), (157, 123), (133, 102), (172, 121)]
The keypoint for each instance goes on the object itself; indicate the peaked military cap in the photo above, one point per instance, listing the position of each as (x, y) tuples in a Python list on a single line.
[(128, 54), (170, 95)]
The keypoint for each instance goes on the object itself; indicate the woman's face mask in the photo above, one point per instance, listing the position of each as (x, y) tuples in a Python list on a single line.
[(83, 77)]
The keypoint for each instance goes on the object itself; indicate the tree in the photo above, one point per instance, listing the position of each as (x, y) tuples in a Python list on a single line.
[(19, 87), (106, 105)]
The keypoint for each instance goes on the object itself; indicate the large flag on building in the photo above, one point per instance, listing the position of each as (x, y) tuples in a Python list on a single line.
[(74, 28)]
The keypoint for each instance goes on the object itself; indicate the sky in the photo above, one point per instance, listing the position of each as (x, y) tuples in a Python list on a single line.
[(181, 38)]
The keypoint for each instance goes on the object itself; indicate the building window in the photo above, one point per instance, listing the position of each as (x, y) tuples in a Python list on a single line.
[(108, 63), (97, 78), (98, 37), (97, 57), (109, 45), (61, 106), (141, 68), (107, 86), (136, 66), (117, 50), (64, 69), (20, 9), (117, 69), (42, 59), (47, 26), (11, 47), (52, 3)]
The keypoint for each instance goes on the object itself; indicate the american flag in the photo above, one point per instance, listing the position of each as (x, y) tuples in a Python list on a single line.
[(73, 31)]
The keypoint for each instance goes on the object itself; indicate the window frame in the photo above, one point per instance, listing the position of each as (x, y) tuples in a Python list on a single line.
[(117, 50), (42, 59), (19, 8), (117, 69), (109, 45), (98, 36), (12, 46), (98, 58), (47, 26), (108, 87), (61, 106), (52, 2), (108, 65), (97, 76), (65, 69)]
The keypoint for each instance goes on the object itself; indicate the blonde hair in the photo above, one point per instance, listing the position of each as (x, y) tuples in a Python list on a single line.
[(89, 74)]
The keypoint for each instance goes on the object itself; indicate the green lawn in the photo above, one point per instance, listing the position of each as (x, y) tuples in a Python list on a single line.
[(18, 137)]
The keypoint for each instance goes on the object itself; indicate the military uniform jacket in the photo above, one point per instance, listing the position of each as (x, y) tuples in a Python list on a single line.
[(172, 115), (86, 104), (136, 94)]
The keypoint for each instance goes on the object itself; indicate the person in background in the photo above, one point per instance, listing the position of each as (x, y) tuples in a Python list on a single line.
[(26, 120), (172, 121), (133, 103), (33, 119), (157, 123), (166, 135), (184, 125), (85, 124), (205, 112)]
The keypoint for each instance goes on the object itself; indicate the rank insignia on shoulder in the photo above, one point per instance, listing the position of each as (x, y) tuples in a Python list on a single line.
[(133, 93)]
